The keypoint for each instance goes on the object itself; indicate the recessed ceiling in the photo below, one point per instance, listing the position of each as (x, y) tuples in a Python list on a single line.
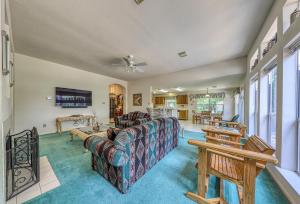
[(90, 34)]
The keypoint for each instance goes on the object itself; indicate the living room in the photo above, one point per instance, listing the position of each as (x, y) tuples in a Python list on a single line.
[(142, 101)]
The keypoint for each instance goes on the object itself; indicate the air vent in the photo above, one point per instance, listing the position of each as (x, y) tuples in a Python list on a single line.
[(182, 54), (138, 2)]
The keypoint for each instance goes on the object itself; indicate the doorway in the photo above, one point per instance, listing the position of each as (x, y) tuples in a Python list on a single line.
[(116, 101)]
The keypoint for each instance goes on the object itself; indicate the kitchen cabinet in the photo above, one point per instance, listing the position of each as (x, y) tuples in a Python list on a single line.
[(183, 114), (159, 100), (182, 99)]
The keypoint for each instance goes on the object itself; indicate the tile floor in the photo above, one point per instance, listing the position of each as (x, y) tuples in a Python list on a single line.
[(188, 125), (48, 181)]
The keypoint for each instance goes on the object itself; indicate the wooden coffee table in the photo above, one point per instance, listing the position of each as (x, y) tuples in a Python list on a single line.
[(86, 132), (83, 134)]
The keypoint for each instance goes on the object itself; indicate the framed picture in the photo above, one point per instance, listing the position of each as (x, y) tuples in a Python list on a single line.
[(137, 99), (5, 53)]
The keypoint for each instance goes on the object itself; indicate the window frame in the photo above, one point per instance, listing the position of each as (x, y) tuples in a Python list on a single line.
[(270, 106), (298, 110), (256, 111)]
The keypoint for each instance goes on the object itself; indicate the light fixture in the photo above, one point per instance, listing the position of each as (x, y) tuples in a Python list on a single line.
[(138, 2), (207, 95), (164, 90), (179, 89), (182, 54)]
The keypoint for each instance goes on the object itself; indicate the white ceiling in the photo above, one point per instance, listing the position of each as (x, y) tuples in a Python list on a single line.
[(89, 34)]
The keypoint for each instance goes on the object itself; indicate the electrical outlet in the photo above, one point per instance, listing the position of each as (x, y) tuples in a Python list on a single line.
[(44, 125)]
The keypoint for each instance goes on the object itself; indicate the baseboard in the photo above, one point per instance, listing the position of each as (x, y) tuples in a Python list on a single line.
[(286, 188)]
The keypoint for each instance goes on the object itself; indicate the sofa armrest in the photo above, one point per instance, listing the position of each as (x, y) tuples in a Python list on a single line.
[(107, 150), (141, 121)]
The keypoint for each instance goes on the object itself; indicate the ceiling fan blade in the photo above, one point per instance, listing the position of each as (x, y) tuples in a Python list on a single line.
[(117, 65), (140, 64), (126, 60), (139, 70)]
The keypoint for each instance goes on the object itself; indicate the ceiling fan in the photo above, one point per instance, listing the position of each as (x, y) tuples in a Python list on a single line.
[(131, 65)]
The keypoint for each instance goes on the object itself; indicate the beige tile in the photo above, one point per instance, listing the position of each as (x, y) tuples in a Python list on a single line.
[(50, 186), (43, 159), (46, 168), (48, 179), (44, 164), (46, 174), (27, 195), (12, 201)]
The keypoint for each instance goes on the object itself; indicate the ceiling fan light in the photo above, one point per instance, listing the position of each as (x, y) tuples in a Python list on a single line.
[(179, 89), (164, 90)]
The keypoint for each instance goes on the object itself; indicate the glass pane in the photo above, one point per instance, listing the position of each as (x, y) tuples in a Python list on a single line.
[(216, 105), (272, 107)]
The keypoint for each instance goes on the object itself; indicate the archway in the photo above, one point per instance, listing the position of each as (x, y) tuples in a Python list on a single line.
[(116, 101)]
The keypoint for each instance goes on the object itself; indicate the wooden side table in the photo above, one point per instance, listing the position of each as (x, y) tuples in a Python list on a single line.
[(90, 118)]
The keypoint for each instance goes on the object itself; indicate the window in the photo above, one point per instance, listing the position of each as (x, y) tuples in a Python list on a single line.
[(216, 105), (253, 109), (272, 105), (298, 109), (171, 102)]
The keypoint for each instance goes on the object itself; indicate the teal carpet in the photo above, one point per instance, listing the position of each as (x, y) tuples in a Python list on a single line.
[(166, 182)]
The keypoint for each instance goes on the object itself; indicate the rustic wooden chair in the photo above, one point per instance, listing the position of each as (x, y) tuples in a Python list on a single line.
[(239, 126), (237, 165), (221, 133), (205, 115), (196, 117)]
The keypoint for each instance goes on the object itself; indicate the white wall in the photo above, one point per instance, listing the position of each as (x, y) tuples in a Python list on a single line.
[(6, 104), (36, 79)]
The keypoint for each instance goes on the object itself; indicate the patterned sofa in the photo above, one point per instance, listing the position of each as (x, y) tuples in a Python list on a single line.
[(131, 119), (134, 151)]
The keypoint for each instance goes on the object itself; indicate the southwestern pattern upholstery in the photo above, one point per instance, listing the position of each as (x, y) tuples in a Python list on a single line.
[(134, 151), (131, 119)]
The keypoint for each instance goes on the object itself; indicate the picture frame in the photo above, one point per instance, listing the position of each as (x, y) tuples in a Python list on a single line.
[(137, 99), (5, 53)]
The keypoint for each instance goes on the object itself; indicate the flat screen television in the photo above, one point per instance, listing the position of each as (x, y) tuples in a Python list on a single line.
[(72, 98)]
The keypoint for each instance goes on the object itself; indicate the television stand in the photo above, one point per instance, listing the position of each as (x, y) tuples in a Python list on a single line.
[(89, 118)]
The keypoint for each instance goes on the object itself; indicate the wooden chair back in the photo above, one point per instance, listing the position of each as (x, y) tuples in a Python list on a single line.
[(206, 113), (256, 144)]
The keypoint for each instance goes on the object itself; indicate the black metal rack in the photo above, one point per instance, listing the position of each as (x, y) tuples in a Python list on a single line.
[(22, 162)]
